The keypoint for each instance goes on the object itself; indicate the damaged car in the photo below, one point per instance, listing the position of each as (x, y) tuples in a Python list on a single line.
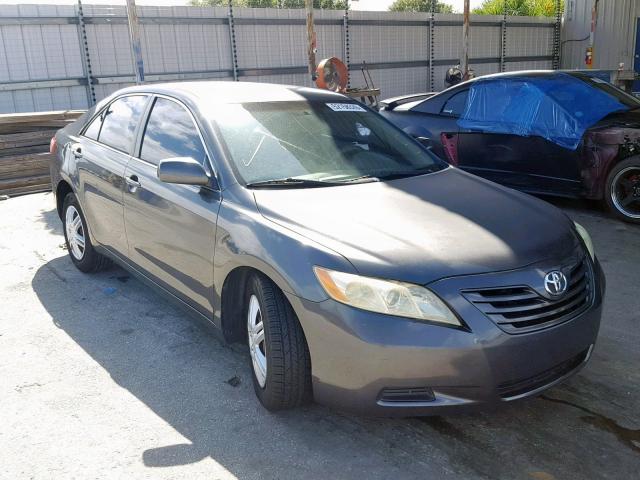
[(542, 132)]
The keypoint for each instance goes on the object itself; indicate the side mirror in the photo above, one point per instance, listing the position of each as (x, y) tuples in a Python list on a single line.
[(183, 170)]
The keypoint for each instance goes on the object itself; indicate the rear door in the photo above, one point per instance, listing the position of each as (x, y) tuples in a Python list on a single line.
[(171, 227), (435, 118), (102, 153)]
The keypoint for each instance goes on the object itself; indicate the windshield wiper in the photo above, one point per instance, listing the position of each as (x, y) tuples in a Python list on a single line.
[(291, 182), (391, 175)]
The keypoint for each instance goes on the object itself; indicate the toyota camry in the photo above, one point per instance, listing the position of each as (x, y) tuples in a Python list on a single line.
[(359, 269)]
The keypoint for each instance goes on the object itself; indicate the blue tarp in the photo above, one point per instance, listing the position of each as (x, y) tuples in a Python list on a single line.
[(559, 108)]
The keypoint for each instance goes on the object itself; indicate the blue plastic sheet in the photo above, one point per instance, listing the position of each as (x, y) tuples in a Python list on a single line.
[(559, 108)]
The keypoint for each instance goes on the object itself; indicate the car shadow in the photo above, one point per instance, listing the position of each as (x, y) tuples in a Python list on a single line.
[(198, 385), (49, 216)]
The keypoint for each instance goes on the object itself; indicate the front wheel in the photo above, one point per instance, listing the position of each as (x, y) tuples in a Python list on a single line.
[(81, 251), (281, 367), (622, 190)]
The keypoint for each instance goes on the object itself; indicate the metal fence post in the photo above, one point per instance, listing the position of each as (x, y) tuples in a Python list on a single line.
[(232, 40), (503, 38), (345, 29), (86, 59), (432, 48), (556, 36)]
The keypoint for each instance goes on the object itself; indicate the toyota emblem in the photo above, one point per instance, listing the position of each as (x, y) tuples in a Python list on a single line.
[(555, 283)]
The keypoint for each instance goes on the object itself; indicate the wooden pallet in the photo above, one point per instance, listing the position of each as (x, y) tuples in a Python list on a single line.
[(24, 149)]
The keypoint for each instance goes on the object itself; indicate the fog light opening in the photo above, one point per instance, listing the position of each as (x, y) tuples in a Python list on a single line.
[(406, 395)]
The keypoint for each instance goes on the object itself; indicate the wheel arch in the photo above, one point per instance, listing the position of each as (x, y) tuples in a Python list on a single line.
[(232, 300), (62, 190)]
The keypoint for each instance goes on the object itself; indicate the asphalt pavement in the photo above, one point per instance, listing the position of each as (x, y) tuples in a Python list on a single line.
[(100, 377)]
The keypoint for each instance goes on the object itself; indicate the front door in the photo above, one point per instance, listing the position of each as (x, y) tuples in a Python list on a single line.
[(170, 227), (526, 163)]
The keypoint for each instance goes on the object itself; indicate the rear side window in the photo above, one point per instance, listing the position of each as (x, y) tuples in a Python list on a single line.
[(120, 121), (455, 105), (93, 130), (170, 132)]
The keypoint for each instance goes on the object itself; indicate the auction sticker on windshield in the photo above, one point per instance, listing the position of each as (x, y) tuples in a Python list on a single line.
[(345, 107)]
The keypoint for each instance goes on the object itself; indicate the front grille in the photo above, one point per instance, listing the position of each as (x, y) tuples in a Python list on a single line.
[(520, 309), (519, 387)]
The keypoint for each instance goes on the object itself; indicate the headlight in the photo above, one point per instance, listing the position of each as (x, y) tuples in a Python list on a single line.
[(586, 238), (384, 296)]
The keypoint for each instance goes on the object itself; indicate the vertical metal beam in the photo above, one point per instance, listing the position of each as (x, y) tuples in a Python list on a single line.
[(134, 35), (556, 36), (345, 27), (432, 48), (311, 40), (86, 59), (464, 61), (232, 42), (503, 37)]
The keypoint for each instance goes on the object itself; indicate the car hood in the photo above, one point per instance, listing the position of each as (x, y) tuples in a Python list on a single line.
[(420, 229)]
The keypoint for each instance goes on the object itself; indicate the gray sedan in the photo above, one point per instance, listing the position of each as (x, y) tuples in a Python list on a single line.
[(361, 270)]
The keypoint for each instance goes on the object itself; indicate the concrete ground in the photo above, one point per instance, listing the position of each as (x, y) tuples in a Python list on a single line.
[(101, 378)]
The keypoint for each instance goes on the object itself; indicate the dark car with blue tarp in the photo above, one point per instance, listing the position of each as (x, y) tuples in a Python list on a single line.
[(544, 132)]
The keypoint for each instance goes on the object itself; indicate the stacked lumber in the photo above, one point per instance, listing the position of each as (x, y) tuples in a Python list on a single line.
[(24, 149)]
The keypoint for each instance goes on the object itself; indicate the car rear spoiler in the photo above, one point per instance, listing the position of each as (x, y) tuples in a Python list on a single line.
[(391, 103)]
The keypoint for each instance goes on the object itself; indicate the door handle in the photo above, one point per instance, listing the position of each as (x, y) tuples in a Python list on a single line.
[(133, 182), (76, 149)]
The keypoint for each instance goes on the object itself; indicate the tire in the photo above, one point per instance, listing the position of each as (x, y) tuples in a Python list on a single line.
[(285, 382), (82, 254), (622, 190)]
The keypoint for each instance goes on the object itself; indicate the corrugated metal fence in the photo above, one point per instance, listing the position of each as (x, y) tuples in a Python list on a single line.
[(55, 57)]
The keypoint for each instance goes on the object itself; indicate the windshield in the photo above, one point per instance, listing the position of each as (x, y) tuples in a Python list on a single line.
[(337, 142), (620, 95)]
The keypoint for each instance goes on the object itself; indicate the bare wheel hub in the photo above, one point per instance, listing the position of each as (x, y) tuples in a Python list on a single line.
[(625, 193)]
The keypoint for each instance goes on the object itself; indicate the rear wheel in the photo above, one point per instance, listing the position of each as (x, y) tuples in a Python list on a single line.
[(281, 367), (79, 246), (623, 190)]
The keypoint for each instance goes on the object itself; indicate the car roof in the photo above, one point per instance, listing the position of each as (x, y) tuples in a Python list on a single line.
[(222, 92), (521, 74)]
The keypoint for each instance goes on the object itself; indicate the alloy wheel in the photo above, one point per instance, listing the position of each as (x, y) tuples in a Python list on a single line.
[(257, 345), (75, 232)]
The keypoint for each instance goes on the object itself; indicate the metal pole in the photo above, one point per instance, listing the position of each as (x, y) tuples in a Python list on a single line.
[(556, 36), (134, 35), (464, 63), (503, 37), (432, 48), (232, 42), (84, 46), (345, 26), (311, 40)]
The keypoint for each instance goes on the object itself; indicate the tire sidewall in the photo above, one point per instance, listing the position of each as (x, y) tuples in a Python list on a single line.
[(254, 287)]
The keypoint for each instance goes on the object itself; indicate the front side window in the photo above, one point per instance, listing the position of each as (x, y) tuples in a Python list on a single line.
[(170, 133), (120, 120), (317, 141)]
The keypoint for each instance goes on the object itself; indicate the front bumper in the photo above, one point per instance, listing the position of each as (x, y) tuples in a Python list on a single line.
[(356, 355)]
